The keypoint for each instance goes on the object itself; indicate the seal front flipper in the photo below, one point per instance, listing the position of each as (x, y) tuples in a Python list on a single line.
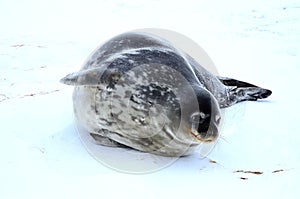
[(105, 141), (85, 77), (242, 91), (92, 77)]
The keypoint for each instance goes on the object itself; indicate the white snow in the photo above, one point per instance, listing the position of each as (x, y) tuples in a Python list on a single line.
[(41, 153)]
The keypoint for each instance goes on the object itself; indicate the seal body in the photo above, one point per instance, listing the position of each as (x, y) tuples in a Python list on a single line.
[(139, 91)]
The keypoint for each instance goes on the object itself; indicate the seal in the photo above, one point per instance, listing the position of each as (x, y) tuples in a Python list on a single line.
[(139, 91)]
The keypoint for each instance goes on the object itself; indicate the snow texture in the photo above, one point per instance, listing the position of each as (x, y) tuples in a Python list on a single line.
[(41, 153)]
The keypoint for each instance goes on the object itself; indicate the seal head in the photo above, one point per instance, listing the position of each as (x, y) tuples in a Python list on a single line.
[(206, 121)]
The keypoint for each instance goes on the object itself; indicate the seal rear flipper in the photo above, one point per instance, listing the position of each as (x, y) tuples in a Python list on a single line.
[(240, 94), (242, 91), (233, 82)]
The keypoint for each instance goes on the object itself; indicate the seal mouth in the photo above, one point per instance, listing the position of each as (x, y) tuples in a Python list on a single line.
[(200, 138)]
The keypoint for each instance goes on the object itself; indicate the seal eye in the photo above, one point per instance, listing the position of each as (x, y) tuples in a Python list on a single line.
[(198, 118), (200, 123)]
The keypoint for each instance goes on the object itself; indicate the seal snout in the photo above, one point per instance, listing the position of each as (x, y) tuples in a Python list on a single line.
[(211, 135), (204, 137)]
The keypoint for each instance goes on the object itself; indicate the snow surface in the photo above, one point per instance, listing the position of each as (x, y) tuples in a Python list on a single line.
[(41, 153)]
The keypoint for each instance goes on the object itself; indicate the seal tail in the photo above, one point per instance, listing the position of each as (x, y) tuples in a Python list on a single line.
[(242, 91)]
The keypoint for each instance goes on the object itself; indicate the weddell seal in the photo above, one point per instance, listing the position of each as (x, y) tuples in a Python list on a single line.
[(139, 91)]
